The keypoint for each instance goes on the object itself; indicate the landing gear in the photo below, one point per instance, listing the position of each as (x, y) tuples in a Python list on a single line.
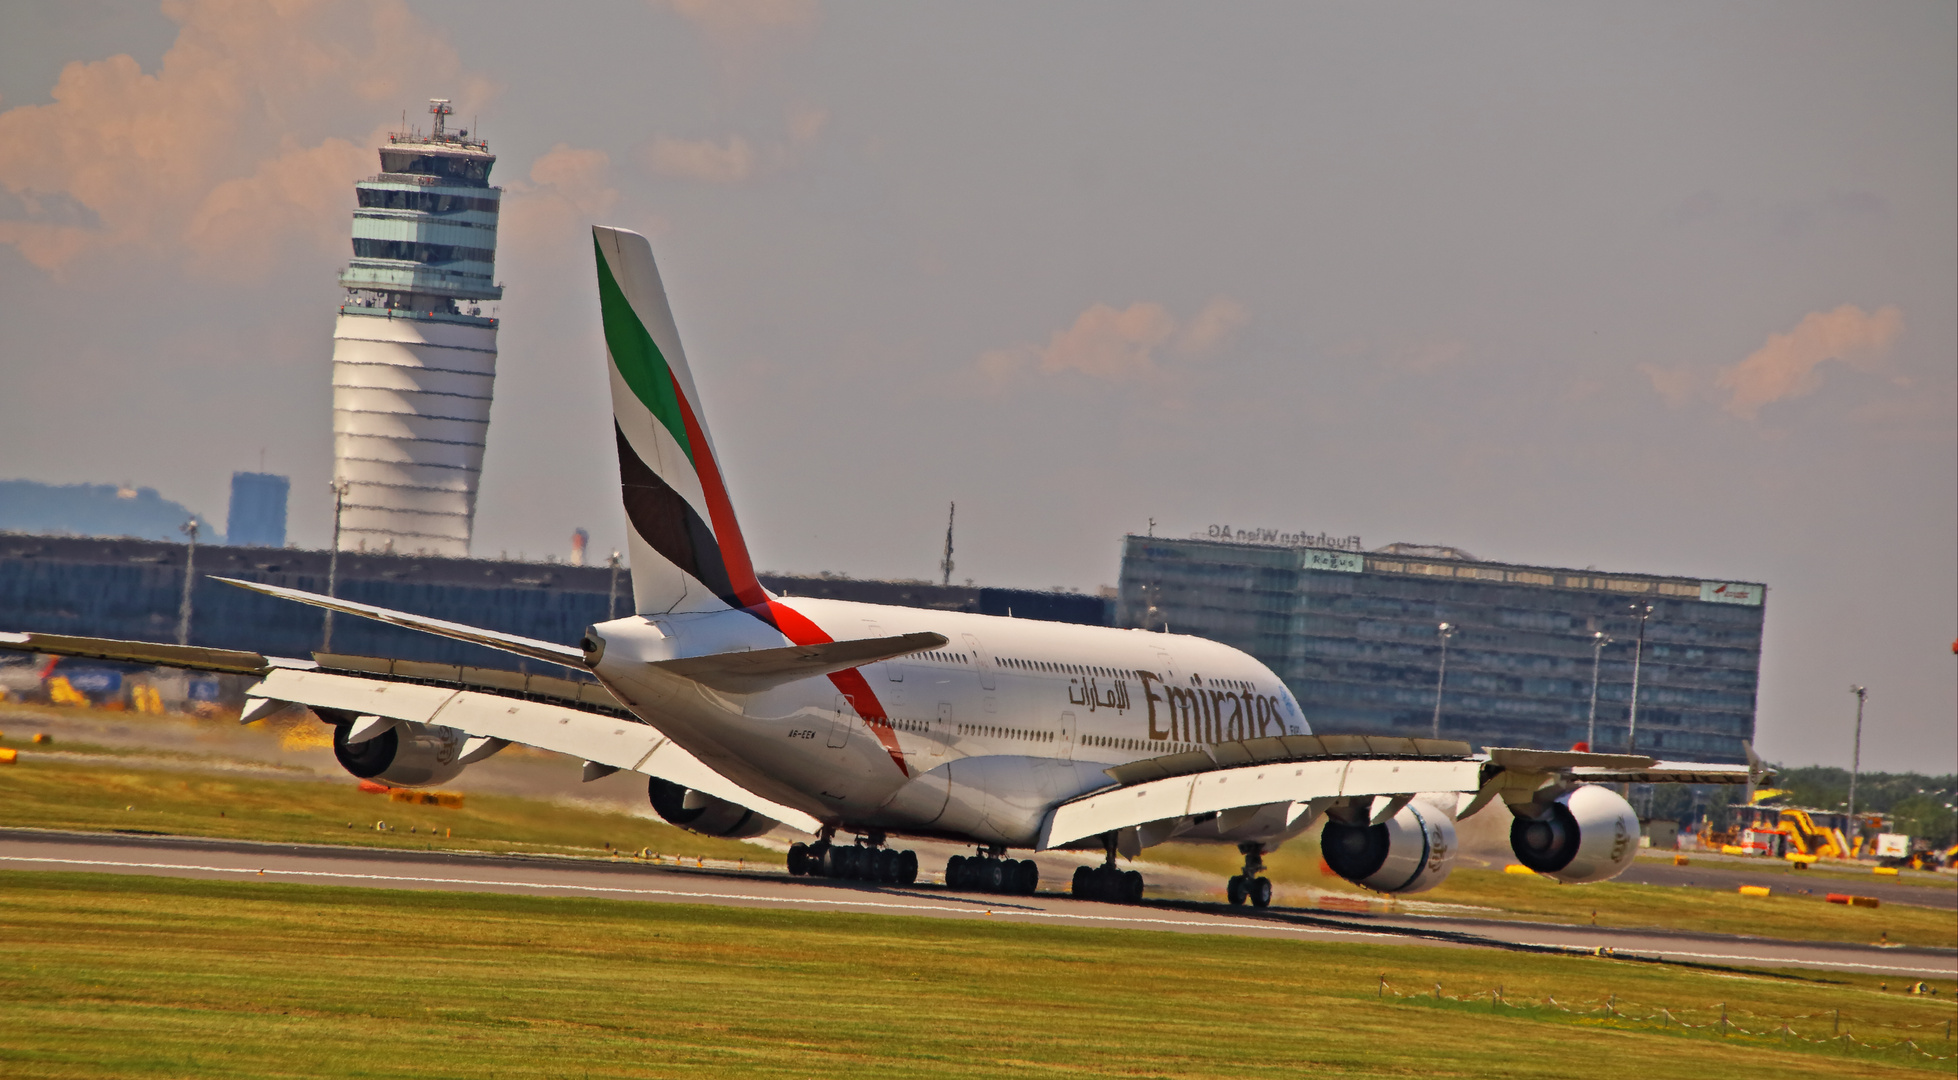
[(1108, 882), (988, 872), (1248, 885), (861, 861)]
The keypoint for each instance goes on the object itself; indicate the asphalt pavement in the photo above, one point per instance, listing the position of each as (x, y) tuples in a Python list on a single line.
[(24, 850)]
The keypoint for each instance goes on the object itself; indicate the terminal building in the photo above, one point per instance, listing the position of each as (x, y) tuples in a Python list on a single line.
[(1356, 636)]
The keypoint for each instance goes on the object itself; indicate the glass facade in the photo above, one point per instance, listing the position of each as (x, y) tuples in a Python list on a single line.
[(1356, 638)]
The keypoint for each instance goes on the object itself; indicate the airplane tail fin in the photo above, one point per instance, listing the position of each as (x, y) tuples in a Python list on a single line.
[(687, 550)]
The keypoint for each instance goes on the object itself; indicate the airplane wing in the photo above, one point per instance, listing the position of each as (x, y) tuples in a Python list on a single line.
[(194, 657), (615, 742), (1311, 772), (559, 715), (531, 647)]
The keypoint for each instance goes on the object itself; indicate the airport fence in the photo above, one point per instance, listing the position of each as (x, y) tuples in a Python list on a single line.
[(1903, 1039)]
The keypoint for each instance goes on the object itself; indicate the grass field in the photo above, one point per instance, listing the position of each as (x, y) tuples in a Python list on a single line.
[(107, 796), (140, 977), (1615, 903)]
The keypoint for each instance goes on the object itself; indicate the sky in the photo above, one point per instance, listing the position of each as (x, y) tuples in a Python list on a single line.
[(1663, 288)]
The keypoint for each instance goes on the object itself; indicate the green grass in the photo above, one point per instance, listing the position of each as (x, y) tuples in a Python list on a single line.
[(136, 977), (1616, 903), (108, 797)]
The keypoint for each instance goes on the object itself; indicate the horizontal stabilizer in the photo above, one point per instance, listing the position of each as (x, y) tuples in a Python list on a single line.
[(193, 657), (763, 669), (522, 646)]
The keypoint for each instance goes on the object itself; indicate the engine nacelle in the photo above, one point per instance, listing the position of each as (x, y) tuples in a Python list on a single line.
[(1589, 833), (699, 812), (1413, 851), (407, 754)]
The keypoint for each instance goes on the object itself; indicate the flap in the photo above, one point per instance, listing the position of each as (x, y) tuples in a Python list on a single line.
[(763, 669), (1510, 757), (1116, 808), (1667, 772), (606, 740), (193, 657)]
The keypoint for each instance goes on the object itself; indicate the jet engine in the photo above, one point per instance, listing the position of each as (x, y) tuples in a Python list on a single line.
[(699, 812), (1413, 851), (1589, 833), (407, 754)]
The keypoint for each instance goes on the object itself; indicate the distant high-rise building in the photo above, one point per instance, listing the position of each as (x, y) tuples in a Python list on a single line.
[(414, 357), (258, 510)]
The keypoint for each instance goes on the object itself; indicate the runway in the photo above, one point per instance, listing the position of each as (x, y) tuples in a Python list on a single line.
[(30, 850)]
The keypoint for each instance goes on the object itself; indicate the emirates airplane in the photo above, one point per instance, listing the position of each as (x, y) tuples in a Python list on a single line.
[(856, 723)]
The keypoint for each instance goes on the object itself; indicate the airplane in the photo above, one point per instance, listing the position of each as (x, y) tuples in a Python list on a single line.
[(856, 723)]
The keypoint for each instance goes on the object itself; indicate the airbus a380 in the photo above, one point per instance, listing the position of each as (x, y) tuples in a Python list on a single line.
[(855, 723)]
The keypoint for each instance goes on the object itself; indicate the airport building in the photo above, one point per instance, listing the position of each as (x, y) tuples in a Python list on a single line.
[(133, 590), (414, 357), (1356, 636), (257, 517)]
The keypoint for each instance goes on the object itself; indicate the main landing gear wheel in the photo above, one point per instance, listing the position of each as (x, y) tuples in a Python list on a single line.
[(1107, 883), (990, 873), (853, 862), (1248, 885)]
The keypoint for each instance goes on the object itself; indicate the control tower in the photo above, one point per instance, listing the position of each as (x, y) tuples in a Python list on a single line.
[(414, 357)]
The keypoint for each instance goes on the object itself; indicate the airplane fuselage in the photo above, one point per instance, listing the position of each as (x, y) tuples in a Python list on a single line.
[(975, 740)]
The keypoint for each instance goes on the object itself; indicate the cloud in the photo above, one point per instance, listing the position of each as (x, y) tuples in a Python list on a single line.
[(1786, 366), (1120, 345), (735, 23), (550, 214), (239, 228), (702, 160), (1216, 324), (1677, 385), (246, 99), (806, 122)]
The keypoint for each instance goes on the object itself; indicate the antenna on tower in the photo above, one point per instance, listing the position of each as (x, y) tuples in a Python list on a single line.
[(441, 108), (945, 564)]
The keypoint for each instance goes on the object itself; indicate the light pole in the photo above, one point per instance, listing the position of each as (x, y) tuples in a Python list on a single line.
[(1856, 763), (1599, 639), (612, 594), (1643, 612), (340, 488), (188, 528), (1446, 630)]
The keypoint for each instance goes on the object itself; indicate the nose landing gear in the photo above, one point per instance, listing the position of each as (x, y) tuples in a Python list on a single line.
[(1248, 885), (1108, 882), (989, 872), (865, 860)]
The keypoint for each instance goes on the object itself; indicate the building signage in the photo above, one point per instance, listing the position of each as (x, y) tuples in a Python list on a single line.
[(1731, 592), (1344, 561), (1276, 538)]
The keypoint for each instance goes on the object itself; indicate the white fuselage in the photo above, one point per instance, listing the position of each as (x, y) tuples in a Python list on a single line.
[(976, 740)]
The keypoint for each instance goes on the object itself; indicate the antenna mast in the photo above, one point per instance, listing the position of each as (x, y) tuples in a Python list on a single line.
[(945, 564)]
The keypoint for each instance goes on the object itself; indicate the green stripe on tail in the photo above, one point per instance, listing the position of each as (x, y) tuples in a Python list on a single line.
[(637, 357)]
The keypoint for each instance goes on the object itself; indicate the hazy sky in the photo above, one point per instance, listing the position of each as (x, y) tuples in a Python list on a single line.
[(1652, 287)]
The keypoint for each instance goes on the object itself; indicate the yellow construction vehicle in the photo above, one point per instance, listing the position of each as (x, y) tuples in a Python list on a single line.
[(1818, 833)]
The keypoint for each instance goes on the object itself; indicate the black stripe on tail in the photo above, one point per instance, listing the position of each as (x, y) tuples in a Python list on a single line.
[(669, 523)]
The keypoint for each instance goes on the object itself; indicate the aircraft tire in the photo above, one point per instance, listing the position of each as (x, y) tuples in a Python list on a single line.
[(887, 866), (989, 870), (798, 859), (1027, 882), (1261, 892), (907, 868), (1084, 883), (1131, 888), (955, 872), (1235, 890)]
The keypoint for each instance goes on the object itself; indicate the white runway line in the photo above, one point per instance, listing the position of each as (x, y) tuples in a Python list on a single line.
[(952, 909), (949, 909)]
